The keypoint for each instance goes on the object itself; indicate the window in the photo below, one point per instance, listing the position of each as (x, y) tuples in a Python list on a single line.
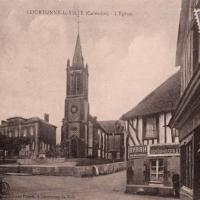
[(31, 131), (16, 133), (72, 77), (186, 163), (10, 134), (25, 132), (90, 136), (195, 47), (156, 170), (150, 127), (78, 83)]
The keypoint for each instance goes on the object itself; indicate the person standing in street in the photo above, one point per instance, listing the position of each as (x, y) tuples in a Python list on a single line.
[(176, 184)]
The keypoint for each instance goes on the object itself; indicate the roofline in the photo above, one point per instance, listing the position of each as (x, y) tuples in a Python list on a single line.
[(149, 114), (16, 118), (147, 96)]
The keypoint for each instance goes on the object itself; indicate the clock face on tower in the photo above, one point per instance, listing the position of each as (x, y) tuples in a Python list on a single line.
[(74, 109)]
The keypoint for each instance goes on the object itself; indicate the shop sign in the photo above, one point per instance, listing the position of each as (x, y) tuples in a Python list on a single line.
[(134, 151), (165, 149)]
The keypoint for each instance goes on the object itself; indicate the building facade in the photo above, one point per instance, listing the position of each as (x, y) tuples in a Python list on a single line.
[(186, 117), (27, 138), (153, 147), (113, 140)]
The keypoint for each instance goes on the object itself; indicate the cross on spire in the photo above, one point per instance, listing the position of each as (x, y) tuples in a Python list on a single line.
[(78, 58), (78, 21)]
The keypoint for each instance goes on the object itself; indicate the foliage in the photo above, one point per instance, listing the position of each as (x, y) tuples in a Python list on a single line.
[(13, 143)]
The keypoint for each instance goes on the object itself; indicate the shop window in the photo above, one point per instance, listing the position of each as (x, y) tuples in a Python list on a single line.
[(150, 125), (156, 170)]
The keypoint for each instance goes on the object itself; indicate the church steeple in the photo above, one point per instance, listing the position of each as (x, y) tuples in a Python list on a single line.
[(78, 58), (75, 124)]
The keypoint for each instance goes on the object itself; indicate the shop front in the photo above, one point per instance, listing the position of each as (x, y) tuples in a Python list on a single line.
[(151, 167)]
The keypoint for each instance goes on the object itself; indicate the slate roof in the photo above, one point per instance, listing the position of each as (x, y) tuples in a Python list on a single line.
[(108, 126), (25, 120), (163, 98)]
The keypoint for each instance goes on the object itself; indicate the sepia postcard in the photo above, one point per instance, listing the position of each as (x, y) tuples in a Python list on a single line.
[(99, 99)]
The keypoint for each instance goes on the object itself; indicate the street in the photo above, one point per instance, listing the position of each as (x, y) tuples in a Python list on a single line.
[(108, 187)]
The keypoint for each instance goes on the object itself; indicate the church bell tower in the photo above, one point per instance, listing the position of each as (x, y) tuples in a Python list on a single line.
[(74, 131)]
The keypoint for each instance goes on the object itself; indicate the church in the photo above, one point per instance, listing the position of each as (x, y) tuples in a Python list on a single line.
[(74, 131), (81, 134)]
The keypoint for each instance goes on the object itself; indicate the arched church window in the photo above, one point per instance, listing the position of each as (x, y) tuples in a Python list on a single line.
[(72, 83), (78, 83)]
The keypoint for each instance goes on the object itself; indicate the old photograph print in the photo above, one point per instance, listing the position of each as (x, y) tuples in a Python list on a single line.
[(87, 95)]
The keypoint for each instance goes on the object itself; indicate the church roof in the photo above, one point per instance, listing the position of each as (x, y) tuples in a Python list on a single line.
[(78, 58), (162, 99)]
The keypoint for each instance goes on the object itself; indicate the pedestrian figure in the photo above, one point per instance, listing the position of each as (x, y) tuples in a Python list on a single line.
[(129, 175), (176, 184)]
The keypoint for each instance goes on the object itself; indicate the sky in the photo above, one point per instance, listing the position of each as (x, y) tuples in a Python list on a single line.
[(128, 55)]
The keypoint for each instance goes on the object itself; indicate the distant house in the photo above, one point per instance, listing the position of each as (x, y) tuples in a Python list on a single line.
[(105, 139), (153, 147), (26, 138), (113, 146)]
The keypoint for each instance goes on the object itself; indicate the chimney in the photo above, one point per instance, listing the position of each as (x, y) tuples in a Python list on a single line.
[(46, 117), (3, 122)]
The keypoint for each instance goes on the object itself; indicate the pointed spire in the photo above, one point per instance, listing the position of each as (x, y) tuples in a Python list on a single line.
[(78, 58)]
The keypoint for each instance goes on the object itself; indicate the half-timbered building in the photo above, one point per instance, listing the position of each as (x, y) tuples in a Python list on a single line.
[(153, 147)]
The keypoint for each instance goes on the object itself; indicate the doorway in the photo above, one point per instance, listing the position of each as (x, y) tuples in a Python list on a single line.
[(74, 148)]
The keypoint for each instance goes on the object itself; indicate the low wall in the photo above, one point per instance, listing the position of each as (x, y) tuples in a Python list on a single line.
[(40, 161), (81, 171)]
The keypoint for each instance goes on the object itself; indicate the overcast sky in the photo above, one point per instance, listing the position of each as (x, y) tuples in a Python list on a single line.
[(128, 56)]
